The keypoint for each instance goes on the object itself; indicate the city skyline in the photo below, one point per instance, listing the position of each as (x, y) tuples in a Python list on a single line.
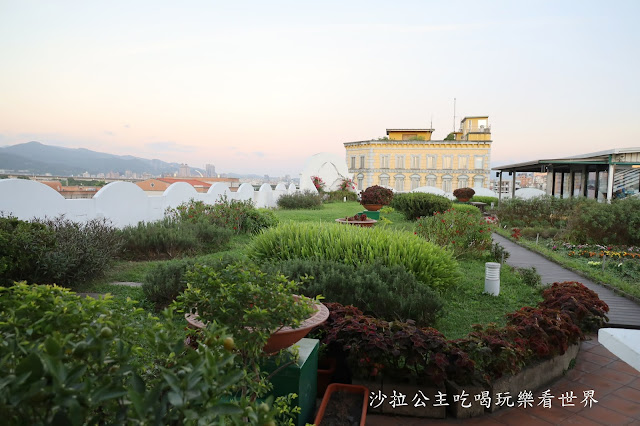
[(254, 87)]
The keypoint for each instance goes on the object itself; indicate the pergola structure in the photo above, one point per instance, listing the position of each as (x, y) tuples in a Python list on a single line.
[(621, 167)]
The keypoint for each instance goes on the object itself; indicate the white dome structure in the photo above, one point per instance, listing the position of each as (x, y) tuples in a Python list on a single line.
[(484, 192), (430, 190), (331, 168), (528, 193)]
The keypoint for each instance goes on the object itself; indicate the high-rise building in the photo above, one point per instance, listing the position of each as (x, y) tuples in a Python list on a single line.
[(210, 170), (407, 158), (184, 170)]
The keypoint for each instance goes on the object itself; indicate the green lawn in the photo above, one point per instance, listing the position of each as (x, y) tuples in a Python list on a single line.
[(464, 306)]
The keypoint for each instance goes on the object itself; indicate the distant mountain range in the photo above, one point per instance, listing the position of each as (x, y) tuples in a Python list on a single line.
[(38, 158)]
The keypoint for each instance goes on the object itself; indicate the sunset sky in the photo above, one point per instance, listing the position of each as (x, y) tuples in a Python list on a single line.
[(257, 87)]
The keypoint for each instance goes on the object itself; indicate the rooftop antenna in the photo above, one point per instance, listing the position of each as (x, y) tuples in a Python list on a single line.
[(431, 125), (454, 114)]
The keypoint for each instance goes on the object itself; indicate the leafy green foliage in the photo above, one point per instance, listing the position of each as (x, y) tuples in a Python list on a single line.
[(544, 211), (239, 216), (602, 223), (467, 208), (300, 200), (55, 250), (355, 245), (530, 276), (166, 281), (419, 204), (169, 238), (485, 199), (252, 304), (463, 232), (389, 292), (72, 360)]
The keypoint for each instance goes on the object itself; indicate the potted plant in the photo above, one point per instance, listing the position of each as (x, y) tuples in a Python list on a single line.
[(374, 197), (254, 307), (343, 405), (358, 220), (464, 194)]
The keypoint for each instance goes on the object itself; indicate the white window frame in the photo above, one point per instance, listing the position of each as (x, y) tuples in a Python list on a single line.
[(399, 183), (415, 181), (463, 162), (432, 161), (399, 161), (415, 161), (384, 161), (478, 160), (447, 162), (431, 180), (362, 161)]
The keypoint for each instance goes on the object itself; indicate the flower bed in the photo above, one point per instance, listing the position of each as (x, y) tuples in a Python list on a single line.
[(379, 349)]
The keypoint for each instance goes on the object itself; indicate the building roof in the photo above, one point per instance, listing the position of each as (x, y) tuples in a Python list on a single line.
[(416, 142), (409, 130), (192, 182), (599, 160), (475, 116)]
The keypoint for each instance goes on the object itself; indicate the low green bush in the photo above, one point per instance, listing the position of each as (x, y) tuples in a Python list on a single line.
[(388, 292), (467, 208), (71, 360), (236, 215), (463, 232), (300, 200), (530, 276), (419, 204), (21, 245), (55, 250), (617, 223), (546, 211), (165, 281), (484, 199), (339, 196), (431, 264), (169, 238)]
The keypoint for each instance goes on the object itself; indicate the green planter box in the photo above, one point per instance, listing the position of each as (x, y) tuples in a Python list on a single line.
[(372, 215), (299, 378)]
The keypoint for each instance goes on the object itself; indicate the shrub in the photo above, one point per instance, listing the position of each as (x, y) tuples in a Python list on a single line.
[(376, 194), (55, 250), (165, 281), (318, 183), (391, 292), (600, 223), (498, 253), (339, 196), (467, 208), (22, 244), (581, 304), (355, 245), (239, 216), (169, 238), (529, 276), (72, 360), (347, 185), (543, 211), (462, 232), (300, 200), (419, 204), (485, 199), (393, 349), (464, 193)]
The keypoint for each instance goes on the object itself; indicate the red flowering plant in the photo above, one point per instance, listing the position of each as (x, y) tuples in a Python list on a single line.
[(463, 232), (347, 184), (399, 350), (318, 183)]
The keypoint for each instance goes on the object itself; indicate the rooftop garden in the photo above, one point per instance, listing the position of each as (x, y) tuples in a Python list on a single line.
[(127, 357)]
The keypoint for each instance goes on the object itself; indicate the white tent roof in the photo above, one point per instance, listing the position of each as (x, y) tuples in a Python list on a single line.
[(527, 193)]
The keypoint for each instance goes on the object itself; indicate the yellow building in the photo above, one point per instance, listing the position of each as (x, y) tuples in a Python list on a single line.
[(407, 158)]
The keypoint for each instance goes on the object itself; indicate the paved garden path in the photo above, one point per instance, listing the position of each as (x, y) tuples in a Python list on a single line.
[(623, 313)]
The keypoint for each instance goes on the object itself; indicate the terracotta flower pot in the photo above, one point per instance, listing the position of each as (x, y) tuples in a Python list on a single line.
[(285, 336), (463, 200), (345, 396), (372, 207)]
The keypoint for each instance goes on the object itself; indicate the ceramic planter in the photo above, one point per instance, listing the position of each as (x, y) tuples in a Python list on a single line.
[(285, 336), (372, 207), (343, 404)]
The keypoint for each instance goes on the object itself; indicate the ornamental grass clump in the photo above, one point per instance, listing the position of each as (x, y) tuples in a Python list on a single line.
[(463, 232), (432, 265)]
